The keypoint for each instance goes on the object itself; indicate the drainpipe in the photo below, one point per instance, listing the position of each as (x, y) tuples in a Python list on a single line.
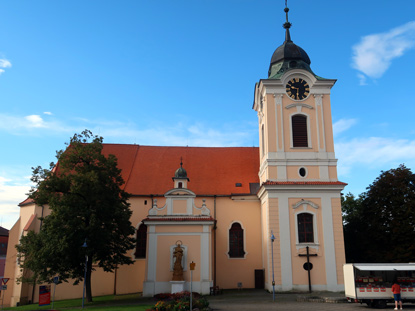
[(41, 218), (214, 241)]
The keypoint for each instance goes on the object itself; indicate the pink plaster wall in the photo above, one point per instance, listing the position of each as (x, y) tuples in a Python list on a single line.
[(247, 213)]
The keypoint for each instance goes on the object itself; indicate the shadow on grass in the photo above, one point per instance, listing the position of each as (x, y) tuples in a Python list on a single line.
[(112, 302)]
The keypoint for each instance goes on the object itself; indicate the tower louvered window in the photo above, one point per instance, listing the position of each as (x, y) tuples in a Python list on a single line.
[(299, 128), (140, 251), (305, 228), (236, 241)]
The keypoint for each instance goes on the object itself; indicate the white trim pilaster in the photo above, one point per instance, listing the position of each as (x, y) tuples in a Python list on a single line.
[(285, 242), (329, 247), (279, 122)]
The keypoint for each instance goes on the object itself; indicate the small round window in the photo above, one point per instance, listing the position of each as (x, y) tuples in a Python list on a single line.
[(302, 172)]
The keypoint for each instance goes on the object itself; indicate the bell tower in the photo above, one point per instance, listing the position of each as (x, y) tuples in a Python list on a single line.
[(300, 192), (293, 106)]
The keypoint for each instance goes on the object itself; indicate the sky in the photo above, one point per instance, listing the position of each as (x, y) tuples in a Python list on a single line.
[(182, 73)]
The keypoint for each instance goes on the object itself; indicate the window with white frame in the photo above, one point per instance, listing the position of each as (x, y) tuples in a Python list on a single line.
[(236, 241), (299, 130), (305, 227)]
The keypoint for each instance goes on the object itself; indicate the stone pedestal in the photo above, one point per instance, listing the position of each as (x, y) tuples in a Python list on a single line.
[(177, 286)]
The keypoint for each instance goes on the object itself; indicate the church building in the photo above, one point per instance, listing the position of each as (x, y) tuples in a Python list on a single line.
[(249, 217)]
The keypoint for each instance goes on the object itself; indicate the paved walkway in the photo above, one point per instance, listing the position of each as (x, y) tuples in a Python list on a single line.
[(260, 300)]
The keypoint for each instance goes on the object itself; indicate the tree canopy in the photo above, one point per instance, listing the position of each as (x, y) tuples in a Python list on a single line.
[(379, 225), (87, 204)]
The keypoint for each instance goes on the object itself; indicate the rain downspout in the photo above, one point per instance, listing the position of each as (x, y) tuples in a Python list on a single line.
[(214, 241)]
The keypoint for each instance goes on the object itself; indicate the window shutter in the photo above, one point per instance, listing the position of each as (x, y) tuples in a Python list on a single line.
[(299, 127)]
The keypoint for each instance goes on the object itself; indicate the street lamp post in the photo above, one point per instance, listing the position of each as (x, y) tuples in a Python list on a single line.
[(86, 264), (272, 256)]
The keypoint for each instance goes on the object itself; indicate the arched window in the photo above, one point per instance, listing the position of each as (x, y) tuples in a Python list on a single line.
[(299, 128), (180, 184), (140, 250), (236, 241), (305, 228)]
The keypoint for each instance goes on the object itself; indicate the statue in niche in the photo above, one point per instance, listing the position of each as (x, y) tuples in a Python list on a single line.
[(177, 260)]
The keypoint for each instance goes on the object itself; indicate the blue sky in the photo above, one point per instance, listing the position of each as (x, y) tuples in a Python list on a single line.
[(183, 73)]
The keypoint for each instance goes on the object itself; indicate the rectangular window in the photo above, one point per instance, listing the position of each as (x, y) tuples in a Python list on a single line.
[(305, 228), (299, 128), (140, 251)]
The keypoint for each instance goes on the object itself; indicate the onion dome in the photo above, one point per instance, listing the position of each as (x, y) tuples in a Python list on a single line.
[(180, 172), (288, 56)]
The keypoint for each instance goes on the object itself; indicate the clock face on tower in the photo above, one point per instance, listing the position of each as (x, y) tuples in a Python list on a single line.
[(297, 89)]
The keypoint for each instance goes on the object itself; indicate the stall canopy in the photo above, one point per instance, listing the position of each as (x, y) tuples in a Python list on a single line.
[(385, 267)]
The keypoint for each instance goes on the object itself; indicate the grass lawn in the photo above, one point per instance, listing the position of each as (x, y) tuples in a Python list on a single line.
[(122, 303)]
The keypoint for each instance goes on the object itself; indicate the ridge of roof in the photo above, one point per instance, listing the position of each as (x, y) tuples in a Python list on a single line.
[(4, 231), (26, 202), (191, 147)]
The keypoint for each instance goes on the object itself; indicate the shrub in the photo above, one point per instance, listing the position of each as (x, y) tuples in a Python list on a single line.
[(182, 305)]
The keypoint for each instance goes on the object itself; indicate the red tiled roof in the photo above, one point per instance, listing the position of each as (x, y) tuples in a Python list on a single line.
[(4, 231), (304, 183), (27, 201), (212, 170), (29, 222)]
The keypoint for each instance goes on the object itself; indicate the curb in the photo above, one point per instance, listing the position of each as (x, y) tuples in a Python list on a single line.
[(322, 299)]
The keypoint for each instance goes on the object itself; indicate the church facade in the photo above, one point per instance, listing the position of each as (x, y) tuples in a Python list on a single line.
[(247, 217)]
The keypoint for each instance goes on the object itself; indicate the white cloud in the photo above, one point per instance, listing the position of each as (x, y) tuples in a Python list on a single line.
[(35, 121), (343, 125), (180, 134), (374, 53), (11, 193), (374, 153), (4, 63), (362, 79), (32, 124), (48, 113)]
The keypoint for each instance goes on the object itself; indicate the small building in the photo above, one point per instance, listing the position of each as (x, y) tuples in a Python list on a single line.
[(4, 239)]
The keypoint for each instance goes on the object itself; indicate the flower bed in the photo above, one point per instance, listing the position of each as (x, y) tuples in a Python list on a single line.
[(179, 301)]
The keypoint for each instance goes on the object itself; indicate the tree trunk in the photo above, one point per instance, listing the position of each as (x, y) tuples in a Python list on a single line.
[(88, 280)]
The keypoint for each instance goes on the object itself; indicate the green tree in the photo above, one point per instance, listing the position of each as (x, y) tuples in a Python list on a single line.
[(352, 224), (84, 194), (380, 224)]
